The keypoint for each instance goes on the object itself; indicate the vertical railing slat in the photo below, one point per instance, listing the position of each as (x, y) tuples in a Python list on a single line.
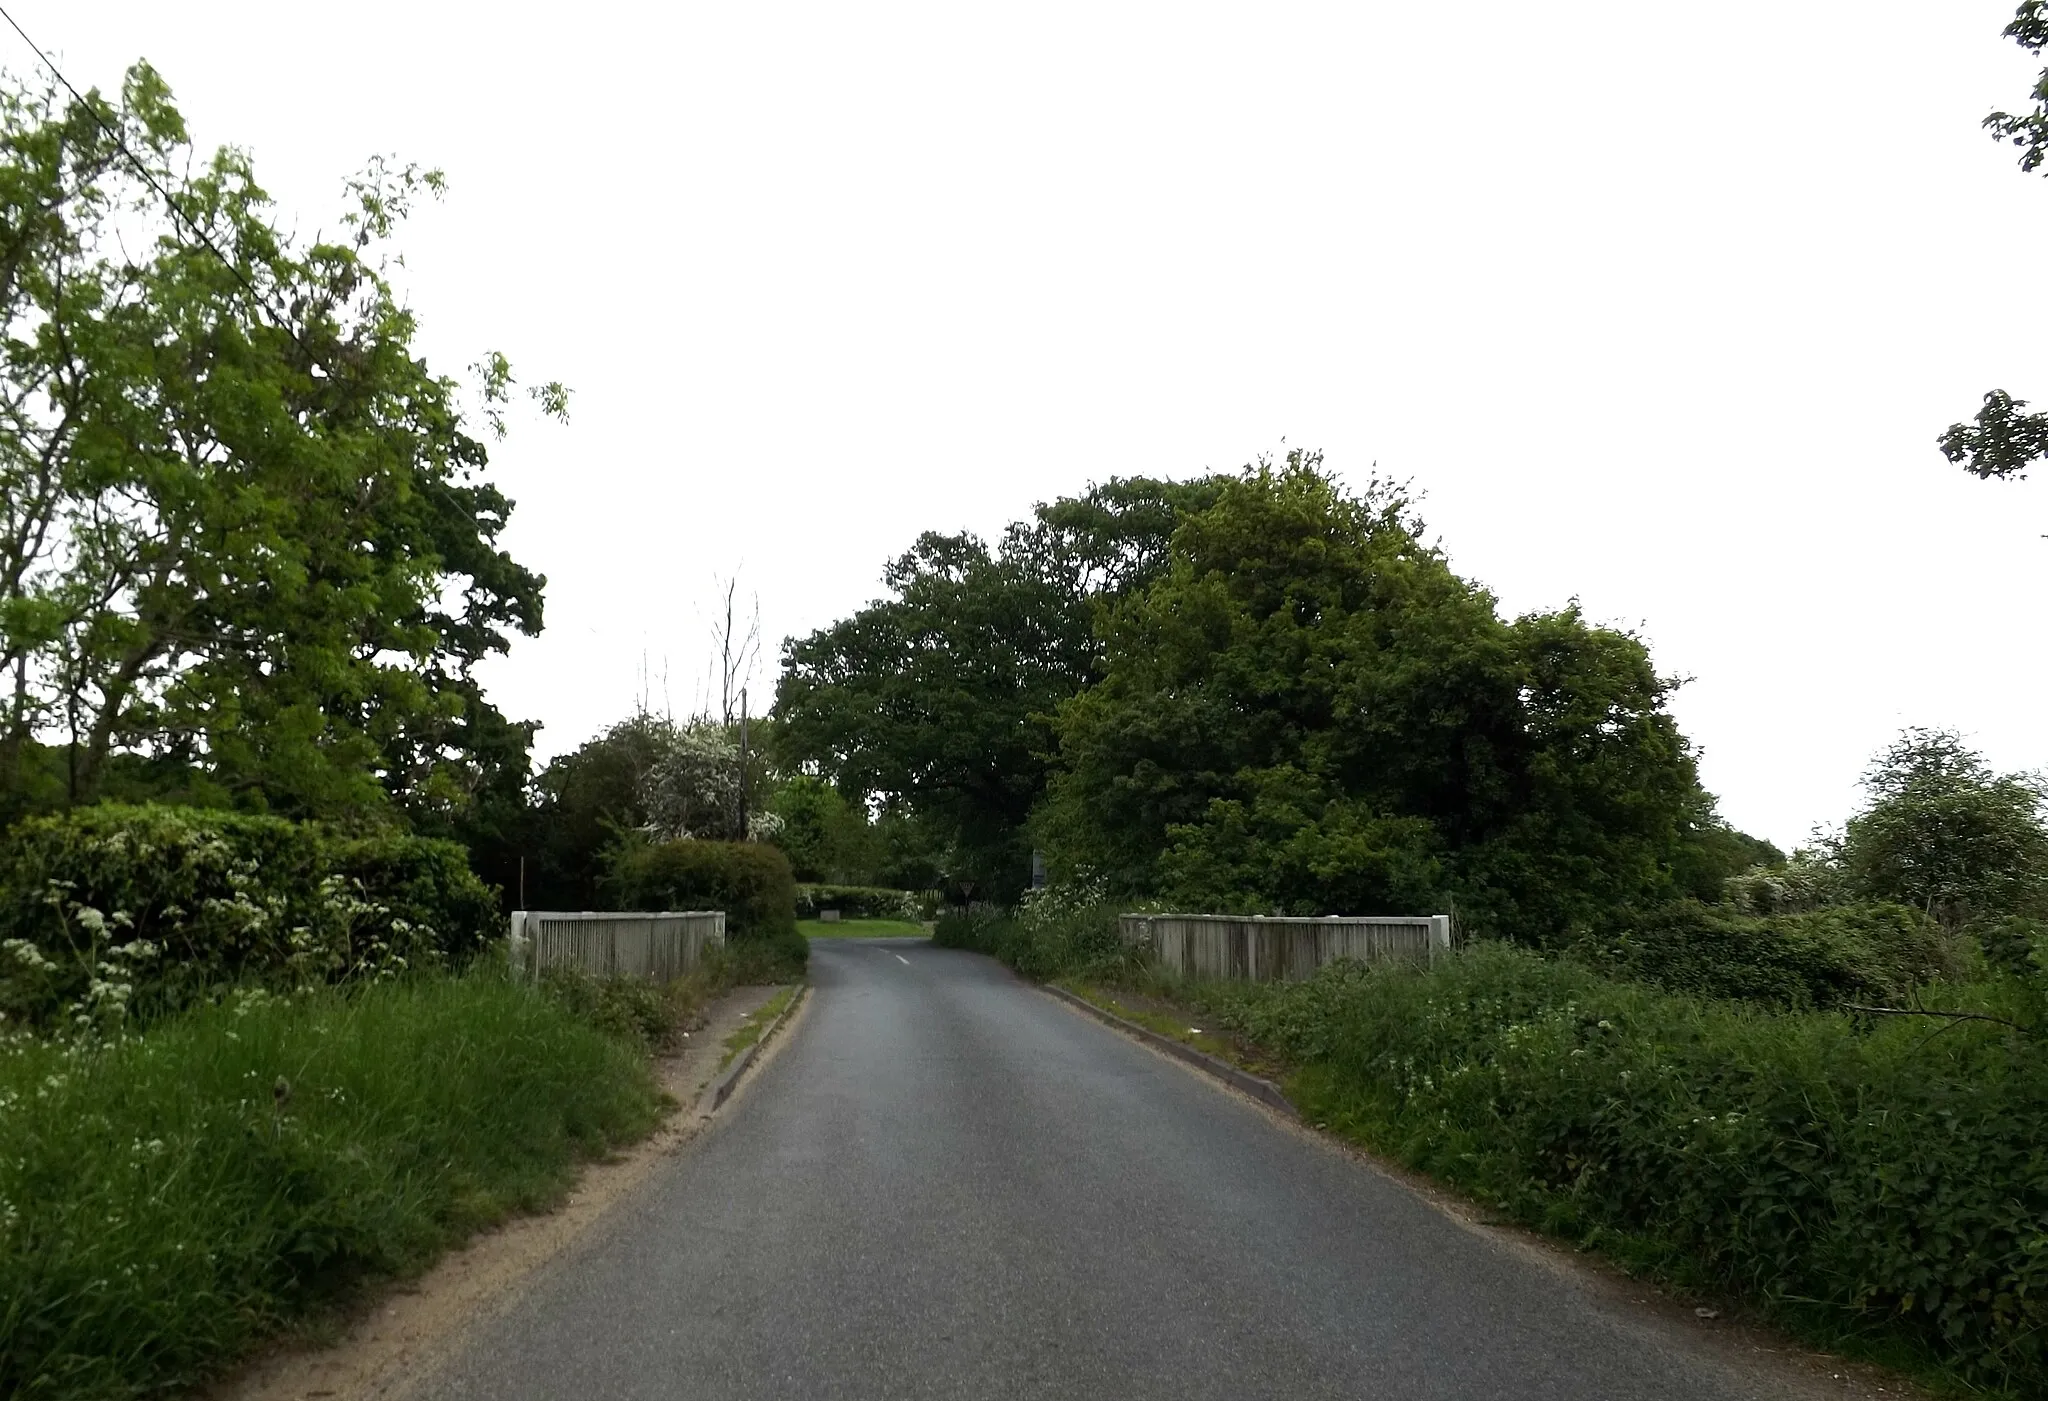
[(605, 944), (1268, 948)]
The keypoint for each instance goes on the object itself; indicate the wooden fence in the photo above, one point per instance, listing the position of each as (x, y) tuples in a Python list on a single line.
[(610, 945), (1258, 947)]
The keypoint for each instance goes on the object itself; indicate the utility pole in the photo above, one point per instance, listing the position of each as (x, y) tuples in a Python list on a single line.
[(743, 764)]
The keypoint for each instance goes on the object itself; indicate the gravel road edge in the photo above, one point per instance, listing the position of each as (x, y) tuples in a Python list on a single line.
[(1263, 1090)]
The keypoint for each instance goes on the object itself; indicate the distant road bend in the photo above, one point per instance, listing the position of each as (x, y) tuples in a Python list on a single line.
[(949, 1185)]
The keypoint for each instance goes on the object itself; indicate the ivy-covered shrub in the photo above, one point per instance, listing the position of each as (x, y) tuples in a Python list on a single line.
[(750, 881), (114, 910), (857, 902), (1844, 953)]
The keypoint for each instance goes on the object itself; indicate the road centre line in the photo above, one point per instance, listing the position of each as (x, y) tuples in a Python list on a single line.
[(902, 960)]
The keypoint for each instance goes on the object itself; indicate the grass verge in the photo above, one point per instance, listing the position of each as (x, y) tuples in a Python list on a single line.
[(170, 1199), (656, 1014), (861, 929), (1178, 1022), (757, 1023)]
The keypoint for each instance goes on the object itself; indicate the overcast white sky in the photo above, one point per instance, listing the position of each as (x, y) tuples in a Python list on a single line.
[(1661, 306)]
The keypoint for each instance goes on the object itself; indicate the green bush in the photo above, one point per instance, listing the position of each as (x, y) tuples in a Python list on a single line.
[(2016, 944), (635, 1009), (1847, 953), (1882, 1177), (109, 910), (750, 881), (167, 1200), (857, 902), (1052, 934)]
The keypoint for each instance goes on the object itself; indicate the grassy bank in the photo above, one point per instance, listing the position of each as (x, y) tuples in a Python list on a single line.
[(168, 1200), (861, 929), (1876, 1184), (756, 1023)]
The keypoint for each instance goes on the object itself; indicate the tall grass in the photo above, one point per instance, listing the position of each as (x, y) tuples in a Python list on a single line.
[(169, 1199)]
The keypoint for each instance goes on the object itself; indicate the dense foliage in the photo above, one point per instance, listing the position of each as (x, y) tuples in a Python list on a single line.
[(750, 881), (244, 532), (1857, 953), (827, 838), (1308, 712), (645, 777), (857, 902), (168, 1201), (108, 912), (1857, 1177), (1943, 833), (1253, 692), (1054, 933), (935, 703)]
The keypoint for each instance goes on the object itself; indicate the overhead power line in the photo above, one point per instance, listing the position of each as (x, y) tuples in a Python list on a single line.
[(282, 321), (92, 110)]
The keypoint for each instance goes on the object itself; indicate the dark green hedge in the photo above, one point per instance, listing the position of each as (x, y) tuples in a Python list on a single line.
[(856, 901), (1044, 943), (1850, 953), (167, 902), (750, 881)]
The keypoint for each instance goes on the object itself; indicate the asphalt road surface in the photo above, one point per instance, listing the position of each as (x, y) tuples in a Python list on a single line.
[(946, 1184)]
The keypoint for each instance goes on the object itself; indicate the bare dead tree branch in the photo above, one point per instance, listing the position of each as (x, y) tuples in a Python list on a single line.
[(1934, 1012)]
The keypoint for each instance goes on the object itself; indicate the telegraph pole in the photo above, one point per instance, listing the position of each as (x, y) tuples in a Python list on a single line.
[(743, 764)]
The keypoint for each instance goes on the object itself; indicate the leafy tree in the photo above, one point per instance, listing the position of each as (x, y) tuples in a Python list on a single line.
[(244, 531), (646, 775), (1309, 712), (1945, 834), (2003, 440), (935, 702), (585, 801), (825, 837), (1717, 853), (694, 788)]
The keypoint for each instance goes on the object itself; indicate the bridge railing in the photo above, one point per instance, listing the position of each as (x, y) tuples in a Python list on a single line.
[(608, 944), (1273, 948)]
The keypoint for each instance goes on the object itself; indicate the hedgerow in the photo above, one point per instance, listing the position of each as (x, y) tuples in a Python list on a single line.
[(1816, 958), (858, 902), (750, 881), (114, 911), (1885, 1176), (1054, 932)]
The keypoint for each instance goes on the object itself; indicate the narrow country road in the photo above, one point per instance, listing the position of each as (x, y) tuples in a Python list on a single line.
[(949, 1185)]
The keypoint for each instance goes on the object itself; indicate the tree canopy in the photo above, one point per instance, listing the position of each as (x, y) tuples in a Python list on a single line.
[(1309, 712), (936, 702), (2003, 439), (245, 535), (1258, 691), (1945, 834)]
